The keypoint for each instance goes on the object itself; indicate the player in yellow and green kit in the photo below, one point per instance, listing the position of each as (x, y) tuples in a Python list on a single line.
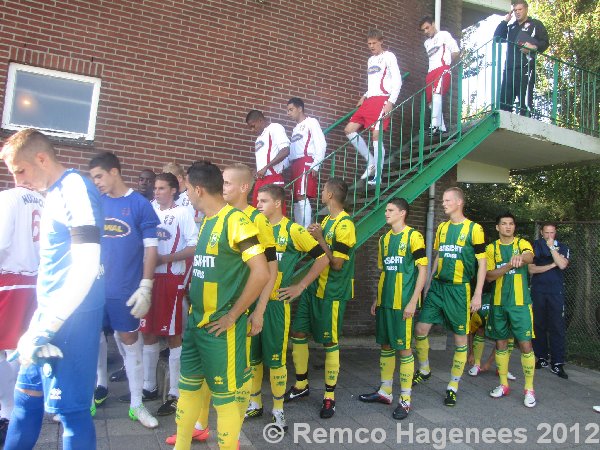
[(510, 309), (460, 245), (322, 306), (403, 264), (270, 346), (229, 272)]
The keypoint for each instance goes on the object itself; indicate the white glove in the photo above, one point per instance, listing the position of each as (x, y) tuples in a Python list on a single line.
[(34, 345), (141, 299)]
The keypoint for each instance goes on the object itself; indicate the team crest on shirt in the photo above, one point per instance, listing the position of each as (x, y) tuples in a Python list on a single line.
[(296, 137), (282, 241), (462, 237), (516, 251), (115, 228), (163, 234), (55, 394), (125, 211), (329, 235), (214, 238), (402, 246)]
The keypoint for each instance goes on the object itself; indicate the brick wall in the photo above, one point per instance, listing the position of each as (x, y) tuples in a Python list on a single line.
[(178, 77)]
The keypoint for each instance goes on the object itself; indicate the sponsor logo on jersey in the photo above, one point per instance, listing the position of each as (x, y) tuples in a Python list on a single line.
[(259, 145), (115, 228), (243, 221), (204, 261), (393, 260), (373, 70), (296, 138), (163, 234)]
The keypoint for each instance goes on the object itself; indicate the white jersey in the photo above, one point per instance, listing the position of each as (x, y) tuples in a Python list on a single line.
[(176, 231), (384, 77), (184, 200), (20, 231), (439, 49), (308, 140), (271, 141)]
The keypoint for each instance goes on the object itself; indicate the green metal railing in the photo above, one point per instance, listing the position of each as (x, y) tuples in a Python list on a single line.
[(415, 158)]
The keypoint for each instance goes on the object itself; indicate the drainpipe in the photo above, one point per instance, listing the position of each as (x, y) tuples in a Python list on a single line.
[(431, 204)]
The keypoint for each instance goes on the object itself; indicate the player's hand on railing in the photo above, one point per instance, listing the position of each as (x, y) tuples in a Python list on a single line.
[(141, 299)]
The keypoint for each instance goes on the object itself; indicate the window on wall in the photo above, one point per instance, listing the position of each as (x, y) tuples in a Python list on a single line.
[(57, 103)]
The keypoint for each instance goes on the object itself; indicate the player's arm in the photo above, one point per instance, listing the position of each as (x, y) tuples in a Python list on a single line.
[(417, 248), (524, 257), (502, 28), (478, 240), (282, 142), (190, 235), (434, 266), (454, 48), (396, 81), (320, 146), (316, 232), (534, 269), (256, 318), (253, 254), (141, 299), (280, 157), (381, 275), (7, 223), (494, 273), (83, 270), (560, 261), (345, 240), (321, 262)]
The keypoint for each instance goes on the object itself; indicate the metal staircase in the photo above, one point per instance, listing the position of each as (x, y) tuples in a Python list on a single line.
[(566, 96)]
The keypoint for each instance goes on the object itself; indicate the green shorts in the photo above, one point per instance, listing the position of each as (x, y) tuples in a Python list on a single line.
[(321, 318), (270, 345), (392, 329), (507, 321), (448, 304), (220, 360)]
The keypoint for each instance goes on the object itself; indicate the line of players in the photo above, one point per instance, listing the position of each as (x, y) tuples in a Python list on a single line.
[(234, 255)]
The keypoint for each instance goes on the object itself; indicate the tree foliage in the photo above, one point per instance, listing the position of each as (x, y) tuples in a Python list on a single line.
[(567, 193)]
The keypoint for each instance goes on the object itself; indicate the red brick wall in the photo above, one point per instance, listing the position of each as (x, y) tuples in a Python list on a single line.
[(178, 77)]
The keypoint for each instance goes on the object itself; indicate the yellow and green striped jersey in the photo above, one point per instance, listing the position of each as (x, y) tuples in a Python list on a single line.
[(340, 236), (219, 272), (513, 287), (398, 257), (265, 231), (459, 245), (291, 242)]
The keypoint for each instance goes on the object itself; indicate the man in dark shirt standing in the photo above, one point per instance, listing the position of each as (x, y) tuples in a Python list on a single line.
[(526, 37), (548, 295)]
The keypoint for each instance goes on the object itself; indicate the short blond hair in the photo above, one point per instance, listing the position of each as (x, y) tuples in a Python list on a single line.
[(175, 169), (243, 170), (25, 144), (458, 192)]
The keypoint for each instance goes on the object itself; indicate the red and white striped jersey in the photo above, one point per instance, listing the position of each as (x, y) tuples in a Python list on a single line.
[(308, 140), (439, 49), (176, 231), (270, 142), (20, 231), (384, 77)]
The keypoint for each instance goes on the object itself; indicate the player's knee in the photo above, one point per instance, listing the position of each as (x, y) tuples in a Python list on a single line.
[(128, 337), (174, 341), (421, 329)]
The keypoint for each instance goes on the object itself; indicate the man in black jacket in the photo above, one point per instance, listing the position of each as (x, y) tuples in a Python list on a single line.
[(525, 37)]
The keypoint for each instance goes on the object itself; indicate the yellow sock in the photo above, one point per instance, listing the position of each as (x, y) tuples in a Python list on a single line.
[(422, 349), (528, 363), (510, 347), (229, 424), (204, 403), (332, 370), (502, 365), (242, 397), (257, 379), (387, 364), (278, 383), (458, 366), (407, 369), (188, 408), (478, 347), (300, 358)]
